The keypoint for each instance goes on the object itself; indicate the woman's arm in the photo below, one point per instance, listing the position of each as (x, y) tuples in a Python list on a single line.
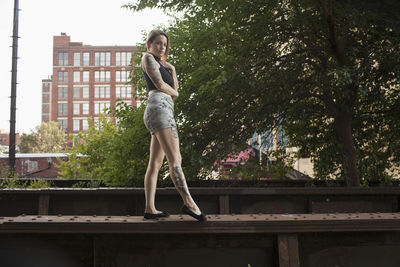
[(171, 69), (151, 67)]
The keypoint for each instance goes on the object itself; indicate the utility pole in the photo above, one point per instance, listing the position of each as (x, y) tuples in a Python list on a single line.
[(13, 87)]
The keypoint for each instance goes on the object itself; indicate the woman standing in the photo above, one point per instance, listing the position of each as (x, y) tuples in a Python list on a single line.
[(162, 85)]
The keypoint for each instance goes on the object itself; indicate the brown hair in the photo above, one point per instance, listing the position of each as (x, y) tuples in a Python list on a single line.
[(152, 35)]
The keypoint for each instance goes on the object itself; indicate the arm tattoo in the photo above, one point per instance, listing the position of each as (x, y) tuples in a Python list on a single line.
[(152, 69), (180, 180)]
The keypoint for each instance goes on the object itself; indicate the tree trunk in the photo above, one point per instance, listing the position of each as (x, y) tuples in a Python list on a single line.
[(347, 148)]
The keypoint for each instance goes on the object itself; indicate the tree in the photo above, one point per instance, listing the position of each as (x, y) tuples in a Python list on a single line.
[(325, 71), (117, 154), (47, 138)]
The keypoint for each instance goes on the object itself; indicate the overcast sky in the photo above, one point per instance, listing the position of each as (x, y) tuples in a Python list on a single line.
[(93, 22)]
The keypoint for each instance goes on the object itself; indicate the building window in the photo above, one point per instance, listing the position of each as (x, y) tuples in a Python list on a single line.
[(100, 106), (102, 91), (45, 98), (77, 92), (86, 59), (85, 125), (76, 125), (102, 76), (77, 76), (121, 76), (76, 109), (63, 59), (62, 109), (85, 93), (63, 76), (77, 59), (63, 124), (62, 92), (45, 117), (102, 58), (45, 108), (123, 58), (85, 108), (123, 92), (85, 76), (32, 166)]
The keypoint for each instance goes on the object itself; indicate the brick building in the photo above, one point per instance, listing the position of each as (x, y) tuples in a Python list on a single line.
[(86, 79)]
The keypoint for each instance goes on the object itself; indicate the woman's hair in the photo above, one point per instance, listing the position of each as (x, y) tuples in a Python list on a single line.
[(152, 35)]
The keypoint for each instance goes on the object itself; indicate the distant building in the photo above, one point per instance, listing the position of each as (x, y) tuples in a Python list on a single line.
[(86, 79), (4, 138), (46, 99)]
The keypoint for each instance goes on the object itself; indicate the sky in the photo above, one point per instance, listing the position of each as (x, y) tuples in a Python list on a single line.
[(93, 22)]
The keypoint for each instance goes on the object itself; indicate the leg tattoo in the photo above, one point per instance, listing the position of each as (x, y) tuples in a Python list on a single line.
[(180, 181), (174, 132)]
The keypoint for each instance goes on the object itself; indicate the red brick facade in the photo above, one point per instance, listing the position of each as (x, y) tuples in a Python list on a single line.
[(85, 80)]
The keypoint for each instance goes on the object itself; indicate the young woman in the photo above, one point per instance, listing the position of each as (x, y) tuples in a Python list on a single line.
[(162, 85)]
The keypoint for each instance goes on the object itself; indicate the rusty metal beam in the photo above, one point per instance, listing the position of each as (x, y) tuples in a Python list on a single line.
[(216, 224), (43, 205), (288, 246)]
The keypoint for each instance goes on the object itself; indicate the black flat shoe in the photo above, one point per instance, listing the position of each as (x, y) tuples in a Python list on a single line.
[(201, 217), (155, 216)]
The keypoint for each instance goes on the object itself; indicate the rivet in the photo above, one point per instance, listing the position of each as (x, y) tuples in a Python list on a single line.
[(39, 216), (71, 219), (22, 215), (49, 220), (33, 219), (59, 215), (108, 216), (10, 220), (128, 215), (88, 220), (94, 215), (106, 219), (125, 220)]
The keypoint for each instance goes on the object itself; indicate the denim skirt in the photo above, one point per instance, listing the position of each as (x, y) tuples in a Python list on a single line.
[(159, 113)]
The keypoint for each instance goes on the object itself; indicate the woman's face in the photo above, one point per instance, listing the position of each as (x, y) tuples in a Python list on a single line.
[(159, 45)]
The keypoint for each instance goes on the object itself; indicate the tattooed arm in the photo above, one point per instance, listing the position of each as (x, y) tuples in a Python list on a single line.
[(171, 69), (151, 67)]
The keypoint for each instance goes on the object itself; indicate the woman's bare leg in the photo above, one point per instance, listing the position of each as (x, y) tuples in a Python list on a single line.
[(150, 180), (169, 141)]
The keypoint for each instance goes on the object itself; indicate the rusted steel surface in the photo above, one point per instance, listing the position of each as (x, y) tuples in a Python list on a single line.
[(288, 249), (43, 205), (121, 201), (215, 191), (180, 224)]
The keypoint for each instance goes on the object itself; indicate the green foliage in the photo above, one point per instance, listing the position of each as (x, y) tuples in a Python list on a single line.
[(47, 138), (115, 154), (40, 183), (325, 71)]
